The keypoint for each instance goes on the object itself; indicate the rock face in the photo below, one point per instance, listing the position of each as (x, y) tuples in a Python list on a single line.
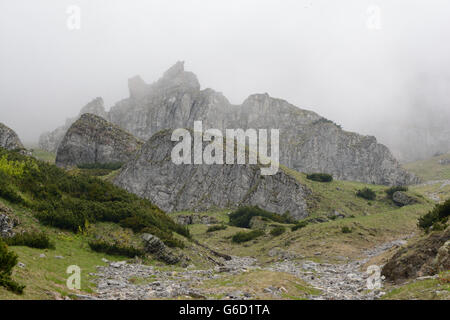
[(155, 246), (154, 176), (308, 142), (92, 139), (7, 223), (425, 257), (50, 141), (9, 139)]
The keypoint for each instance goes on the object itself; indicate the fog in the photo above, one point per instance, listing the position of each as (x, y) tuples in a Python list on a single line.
[(368, 65)]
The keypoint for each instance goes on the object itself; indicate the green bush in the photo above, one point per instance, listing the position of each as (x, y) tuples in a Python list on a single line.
[(246, 236), (346, 229), (107, 166), (299, 225), (114, 248), (277, 231), (8, 260), (67, 200), (436, 218), (216, 227), (366, 193), (242, 216), (390, 191), (38, 240), (320, 177)]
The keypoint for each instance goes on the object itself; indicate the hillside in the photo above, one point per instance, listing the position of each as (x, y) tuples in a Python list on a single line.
[(284, 261)]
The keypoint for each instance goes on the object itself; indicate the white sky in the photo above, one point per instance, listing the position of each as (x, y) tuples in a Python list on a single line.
[(317, 54)]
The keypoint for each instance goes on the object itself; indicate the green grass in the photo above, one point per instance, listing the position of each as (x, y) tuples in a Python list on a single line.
[(44, 155), (430, 169), (429, 289)]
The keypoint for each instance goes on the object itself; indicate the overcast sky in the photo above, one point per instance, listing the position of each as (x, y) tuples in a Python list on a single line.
[(356, 62)]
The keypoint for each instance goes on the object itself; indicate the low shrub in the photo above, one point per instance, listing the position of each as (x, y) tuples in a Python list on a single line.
[(437, 218), (277, 231), (390, 191), (115, 248), (216, 227), (242, 216), (8, 260), (38, 240), (366, 193), (106, 166), (246, 236), (320, 177), (299, 225), (346, 229)]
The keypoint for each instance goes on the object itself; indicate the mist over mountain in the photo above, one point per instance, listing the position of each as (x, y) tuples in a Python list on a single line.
[(319, 55)]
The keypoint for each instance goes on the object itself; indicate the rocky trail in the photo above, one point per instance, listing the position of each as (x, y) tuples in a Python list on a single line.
[(338, 281), (122, 280)]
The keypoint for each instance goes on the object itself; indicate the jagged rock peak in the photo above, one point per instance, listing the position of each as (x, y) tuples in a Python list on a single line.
[(9, 139), (96, 106), (92, 140), (175, 70)]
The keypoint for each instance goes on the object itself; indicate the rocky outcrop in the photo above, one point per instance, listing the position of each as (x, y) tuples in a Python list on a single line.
[(156, 247), (196, 219), (50, 141), (308, 142), (402, 199), (93, 140), (9, 139), (152, 175), (7, 222), (425, 257)]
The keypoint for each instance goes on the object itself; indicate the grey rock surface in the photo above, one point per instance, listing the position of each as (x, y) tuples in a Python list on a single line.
[(152, 175), (402, 199), (308, 142), (156, 247), (92, 139), (9, 139), (195, 219)]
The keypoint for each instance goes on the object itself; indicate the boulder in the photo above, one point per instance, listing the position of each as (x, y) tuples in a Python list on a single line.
[(424, 257), (156, 247), (402, 199), (9, 139), (93, 140), (7, 222)]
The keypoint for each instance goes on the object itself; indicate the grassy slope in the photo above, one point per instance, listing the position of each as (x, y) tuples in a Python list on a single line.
[(45, 277), (430, 169), (372, 222)]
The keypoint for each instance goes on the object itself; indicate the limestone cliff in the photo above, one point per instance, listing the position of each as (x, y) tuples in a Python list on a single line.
[(152, 175)]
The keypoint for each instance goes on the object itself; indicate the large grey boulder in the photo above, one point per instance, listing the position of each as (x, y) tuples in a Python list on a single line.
[(153, 175), (402, 199), (9, 139), (308, 142), (93, 140)]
